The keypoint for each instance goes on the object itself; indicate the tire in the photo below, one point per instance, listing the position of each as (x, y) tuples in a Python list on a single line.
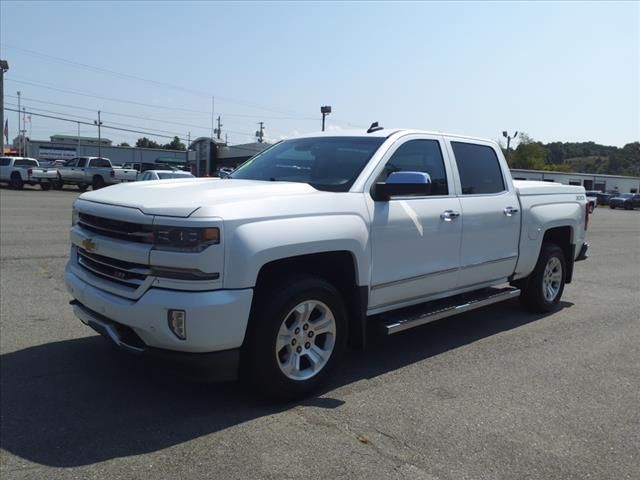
[(285, 356), (83, 187), (98, 182), (16, 181), (612, 207), (45, 186), (543, 288), (591, 208)]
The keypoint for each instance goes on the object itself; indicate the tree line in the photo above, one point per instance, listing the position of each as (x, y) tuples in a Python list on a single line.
[(583, 157), (144, 142)]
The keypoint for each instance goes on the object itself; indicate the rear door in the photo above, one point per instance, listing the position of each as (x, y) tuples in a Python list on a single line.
[(490, 213)]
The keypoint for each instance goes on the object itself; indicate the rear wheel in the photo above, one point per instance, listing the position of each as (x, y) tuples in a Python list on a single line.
[(612, 207), (45, 186), (98, 182), (296, 337), (83, 187), (16, 181), (543, 289)]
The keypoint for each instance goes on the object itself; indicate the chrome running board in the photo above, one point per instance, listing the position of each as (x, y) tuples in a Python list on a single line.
[(406, 318)]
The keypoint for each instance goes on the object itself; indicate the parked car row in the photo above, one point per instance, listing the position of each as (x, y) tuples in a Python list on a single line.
[(628, 201), (84, 172)]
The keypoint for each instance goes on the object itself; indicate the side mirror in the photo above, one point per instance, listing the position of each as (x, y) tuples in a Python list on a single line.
[(402, 184)]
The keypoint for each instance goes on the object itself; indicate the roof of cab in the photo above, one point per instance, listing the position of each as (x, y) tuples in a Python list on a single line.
[(388, 132)]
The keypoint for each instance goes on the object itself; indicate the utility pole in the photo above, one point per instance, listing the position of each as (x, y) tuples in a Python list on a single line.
[(218, 131), (19, 140), (99, 124), (260, 133), (4, 66), (78, 152), (24, 132), (508, 137), (213, 104)]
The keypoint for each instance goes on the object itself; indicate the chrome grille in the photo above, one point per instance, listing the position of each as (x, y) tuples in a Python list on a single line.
[(119, 271), (133, 232)]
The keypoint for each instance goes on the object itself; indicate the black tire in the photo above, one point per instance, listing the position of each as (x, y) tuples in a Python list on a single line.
[(45, 186), (533, 297), (83, 187), (270, 311), (16, 181), (98, 182), (612, 207)]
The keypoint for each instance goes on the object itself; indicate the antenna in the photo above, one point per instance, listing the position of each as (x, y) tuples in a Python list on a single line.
[(374, 127)]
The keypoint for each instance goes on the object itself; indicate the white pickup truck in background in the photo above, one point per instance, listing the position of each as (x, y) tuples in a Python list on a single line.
[(92, 172), (313, 242), (18, 171)]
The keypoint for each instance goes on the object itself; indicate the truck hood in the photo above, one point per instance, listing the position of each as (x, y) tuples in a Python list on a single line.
[(182, 197)]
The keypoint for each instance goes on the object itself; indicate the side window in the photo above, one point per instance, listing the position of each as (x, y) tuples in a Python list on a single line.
[(81, 162), (419, 156), (71, 163), (145, 176), (479, 168), (101, 162)]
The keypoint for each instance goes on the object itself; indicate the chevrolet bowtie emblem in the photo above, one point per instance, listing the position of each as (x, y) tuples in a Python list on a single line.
[(88, 245)]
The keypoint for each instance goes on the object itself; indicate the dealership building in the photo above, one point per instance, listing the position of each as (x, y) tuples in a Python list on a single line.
[(64, 147)]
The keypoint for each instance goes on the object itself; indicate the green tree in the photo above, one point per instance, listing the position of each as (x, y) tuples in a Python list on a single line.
[(175, 144), (144, 142), (124, 144)]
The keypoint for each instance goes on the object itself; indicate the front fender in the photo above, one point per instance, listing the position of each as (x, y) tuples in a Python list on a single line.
[(252, 245)]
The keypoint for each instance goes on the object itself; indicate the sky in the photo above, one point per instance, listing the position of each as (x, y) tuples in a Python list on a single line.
[(559, 71)]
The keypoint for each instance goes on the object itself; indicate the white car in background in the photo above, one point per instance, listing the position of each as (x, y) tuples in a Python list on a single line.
[(163, 175)]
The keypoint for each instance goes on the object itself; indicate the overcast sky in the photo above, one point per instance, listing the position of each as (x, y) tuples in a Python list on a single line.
[(558, 71)]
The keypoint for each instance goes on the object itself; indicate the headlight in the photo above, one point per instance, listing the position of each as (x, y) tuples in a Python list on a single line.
[(185, 239), (75, 215)]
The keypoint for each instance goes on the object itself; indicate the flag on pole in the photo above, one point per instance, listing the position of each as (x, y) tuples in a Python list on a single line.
[(6, 130)]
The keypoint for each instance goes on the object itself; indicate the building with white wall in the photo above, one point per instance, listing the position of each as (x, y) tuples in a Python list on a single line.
[(590, 181)]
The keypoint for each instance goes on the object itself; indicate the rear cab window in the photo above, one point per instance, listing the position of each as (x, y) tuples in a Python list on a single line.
[(479, 169), (4, 162), (25, 162)]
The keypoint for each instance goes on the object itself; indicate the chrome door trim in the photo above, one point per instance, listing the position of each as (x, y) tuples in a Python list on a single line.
[(411, 279)]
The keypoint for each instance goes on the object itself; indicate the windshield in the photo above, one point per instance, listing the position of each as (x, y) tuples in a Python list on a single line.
[(326, 163), (624, 195), (174, 175)]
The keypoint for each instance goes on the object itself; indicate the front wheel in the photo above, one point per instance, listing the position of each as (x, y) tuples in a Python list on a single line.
[(45, 186), (83, 187), (296, 337), (544, 287)]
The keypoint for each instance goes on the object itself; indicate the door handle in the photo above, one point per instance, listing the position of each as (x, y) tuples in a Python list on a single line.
[(449, 215), (510, 211)]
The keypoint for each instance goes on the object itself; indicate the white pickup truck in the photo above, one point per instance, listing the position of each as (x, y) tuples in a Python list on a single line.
[(18, 171), (313, 242), (92, 171)]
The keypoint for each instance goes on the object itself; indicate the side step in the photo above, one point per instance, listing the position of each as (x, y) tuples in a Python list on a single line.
[(406, 318)]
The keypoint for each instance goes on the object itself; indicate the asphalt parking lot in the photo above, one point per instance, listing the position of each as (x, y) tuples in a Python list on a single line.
[(493, 394)]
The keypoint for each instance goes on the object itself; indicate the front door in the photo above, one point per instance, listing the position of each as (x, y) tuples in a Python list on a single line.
[(415, 239)]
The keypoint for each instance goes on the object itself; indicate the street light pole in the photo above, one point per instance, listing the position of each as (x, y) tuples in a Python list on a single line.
[(99, 124), (324, 110), (508, 137)]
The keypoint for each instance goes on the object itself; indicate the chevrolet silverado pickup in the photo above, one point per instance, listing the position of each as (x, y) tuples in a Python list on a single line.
[(270, 273), (94, 172)]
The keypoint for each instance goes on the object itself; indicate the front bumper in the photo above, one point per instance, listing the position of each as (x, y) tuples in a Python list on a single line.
[(217, 366), (215, 320)]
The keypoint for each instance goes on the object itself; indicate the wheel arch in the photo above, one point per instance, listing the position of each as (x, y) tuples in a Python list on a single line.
[(337, 267)]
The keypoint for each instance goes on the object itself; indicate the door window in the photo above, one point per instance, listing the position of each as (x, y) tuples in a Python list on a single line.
[(479, 168), (4, 162), (419, 156), (81, 162)]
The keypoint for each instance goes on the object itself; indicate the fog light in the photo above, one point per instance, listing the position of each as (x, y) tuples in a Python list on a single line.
[(178, 323)]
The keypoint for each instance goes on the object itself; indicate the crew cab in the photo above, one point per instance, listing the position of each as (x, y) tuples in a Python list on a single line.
[(18, 171), (92, 171), (311, 244)]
